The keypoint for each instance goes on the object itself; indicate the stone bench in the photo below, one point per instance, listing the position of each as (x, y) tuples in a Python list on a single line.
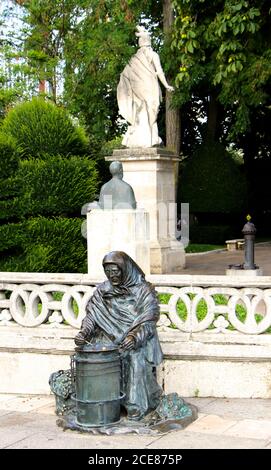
[(236, 244)]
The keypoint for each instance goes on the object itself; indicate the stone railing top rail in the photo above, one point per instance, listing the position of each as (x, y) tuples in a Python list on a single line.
[(177, 280)]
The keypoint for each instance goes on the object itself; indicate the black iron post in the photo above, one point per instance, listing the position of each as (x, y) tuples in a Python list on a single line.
[(249, 231)]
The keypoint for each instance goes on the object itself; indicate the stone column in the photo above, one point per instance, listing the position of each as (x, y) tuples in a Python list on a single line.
[(152, 174)]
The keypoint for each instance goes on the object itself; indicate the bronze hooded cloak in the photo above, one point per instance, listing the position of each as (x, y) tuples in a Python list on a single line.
[(132, 308)]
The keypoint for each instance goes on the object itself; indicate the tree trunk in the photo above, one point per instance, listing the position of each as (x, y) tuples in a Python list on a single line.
[(173, 126), (42, 86), (173, 118)]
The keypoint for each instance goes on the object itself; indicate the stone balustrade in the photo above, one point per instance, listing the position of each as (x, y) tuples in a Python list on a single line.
[(191, 304)]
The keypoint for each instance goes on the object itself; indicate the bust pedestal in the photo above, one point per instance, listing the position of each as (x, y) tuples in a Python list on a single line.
[(152, 174), (121, 230)]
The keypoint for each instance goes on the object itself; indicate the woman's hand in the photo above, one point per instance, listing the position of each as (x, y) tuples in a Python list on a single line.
[(80, 338), (128, 343)]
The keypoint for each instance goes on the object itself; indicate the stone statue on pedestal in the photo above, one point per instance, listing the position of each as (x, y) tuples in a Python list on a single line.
[(139, 94)]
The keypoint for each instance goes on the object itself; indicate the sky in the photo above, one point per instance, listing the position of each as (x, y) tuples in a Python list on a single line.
[(10, 23)]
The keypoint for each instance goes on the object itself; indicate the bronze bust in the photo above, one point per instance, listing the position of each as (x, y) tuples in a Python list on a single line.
[(116, 193)]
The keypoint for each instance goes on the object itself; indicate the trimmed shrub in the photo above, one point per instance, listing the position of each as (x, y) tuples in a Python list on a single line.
[(57, 185), (55, 245), (11, 235), (46, 245), (213, 234), (9, 211), (46, 179), (51, 187), (40, 127), (9, 156), (9, 161), (212, 182), (9, 187)]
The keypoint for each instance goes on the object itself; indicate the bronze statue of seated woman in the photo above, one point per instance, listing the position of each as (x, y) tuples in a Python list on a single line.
[(124, 311), (116, 356)]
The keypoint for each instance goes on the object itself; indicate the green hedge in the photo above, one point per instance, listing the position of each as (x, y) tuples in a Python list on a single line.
[(212, 182), (54, 186), (211, 234), (57, 185), (9, 211), (9, 187), (11, 235), (46, 179), (9, 156), (40, 127), (45, 245), (9, 162)]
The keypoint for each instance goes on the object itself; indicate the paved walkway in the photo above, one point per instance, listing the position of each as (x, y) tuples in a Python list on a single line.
[(30, 423), (217, 263)]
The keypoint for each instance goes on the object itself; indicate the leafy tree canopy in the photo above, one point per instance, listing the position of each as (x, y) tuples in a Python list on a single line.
[(224, 49)]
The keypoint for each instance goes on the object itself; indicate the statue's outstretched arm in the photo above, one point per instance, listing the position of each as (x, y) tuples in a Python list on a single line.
[(160, 73)]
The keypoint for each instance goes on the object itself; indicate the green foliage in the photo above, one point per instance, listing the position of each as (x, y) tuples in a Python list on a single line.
[(55, 245), (96, 53), (37, 189), (56, 185), (45, 245), (13, 84), (9, 156), (7, 97), (224, 50), (109, 146), (48, 23), (50, 187), (40, 127), (9, 161), (201, 248), (212, 182), (8, 188), (212, 233), (11, 236)]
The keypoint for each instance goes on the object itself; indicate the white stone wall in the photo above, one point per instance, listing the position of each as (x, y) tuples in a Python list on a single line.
[(201, 364)]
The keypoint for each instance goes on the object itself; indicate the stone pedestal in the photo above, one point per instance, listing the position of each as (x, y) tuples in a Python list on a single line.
[(152, 174), (244, 272), (118, 229)]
